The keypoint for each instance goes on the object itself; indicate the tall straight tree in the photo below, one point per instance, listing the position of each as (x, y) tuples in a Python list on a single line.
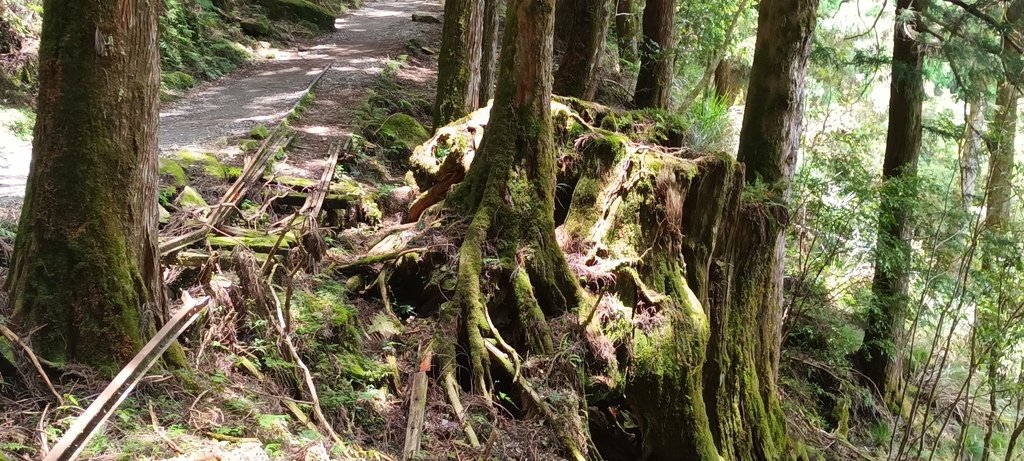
[(458, 62), (657, 55), (746, 417), (879, 357), (508, 196), (626, 12), (588, 26), (85, 260), (489, 50)]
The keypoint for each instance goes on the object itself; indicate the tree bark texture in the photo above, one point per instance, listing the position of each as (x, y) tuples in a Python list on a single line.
[(879, 358), (458, 62), (489, 50), (627, 13), (970, 151), (746, 417), (578, 68), (657, 55), (85, 275)]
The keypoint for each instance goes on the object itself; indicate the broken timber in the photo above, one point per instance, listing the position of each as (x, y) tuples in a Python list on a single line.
[(251, 173), (86, 425)]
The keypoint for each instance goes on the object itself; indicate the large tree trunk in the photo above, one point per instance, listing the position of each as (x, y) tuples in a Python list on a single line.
[(657, 55), (970, 151), (746, 417), (85, 275), (508, 198), (489, 50), (458, 62), (1001, 163), (880, 356), (577, 71), (626, 30)]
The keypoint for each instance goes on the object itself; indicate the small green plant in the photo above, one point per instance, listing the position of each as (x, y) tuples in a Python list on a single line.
[(259, 132), (708, 127), (880, 433)]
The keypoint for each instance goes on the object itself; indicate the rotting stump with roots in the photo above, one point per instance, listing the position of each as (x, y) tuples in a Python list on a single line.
[(611, 293)]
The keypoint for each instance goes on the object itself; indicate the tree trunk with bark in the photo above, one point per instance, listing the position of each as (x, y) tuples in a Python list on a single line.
[(578, 68), (740, 380), (85, 278), (627, 13), (970, 151), (458, 62), (489, 50), (657, 55), (880, 357)]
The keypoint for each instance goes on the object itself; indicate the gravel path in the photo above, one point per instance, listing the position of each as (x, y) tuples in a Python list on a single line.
[(262, 94)]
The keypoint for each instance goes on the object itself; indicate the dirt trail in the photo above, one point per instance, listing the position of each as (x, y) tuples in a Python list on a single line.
[(263, 93)]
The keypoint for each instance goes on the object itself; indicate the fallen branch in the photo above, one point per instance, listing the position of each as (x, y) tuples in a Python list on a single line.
[(307, 377), (252, 171), (374, 259), (32, 357), (89, 422)]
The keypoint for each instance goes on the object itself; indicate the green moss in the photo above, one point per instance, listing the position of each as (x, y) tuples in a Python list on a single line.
[(256, 241), (299, 11), (165, 216), (403, 131), (249, 146), (190, 198), (172, 171), (6, 352), (207, 163), (260, 27), (177, 80), (259, 132)]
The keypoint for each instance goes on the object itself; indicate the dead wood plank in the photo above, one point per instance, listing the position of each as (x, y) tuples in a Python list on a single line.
[(315, 200), (86, 425), (251, 172), (417, 408)]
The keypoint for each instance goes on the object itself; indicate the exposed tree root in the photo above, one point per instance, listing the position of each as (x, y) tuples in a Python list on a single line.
[(643, 226)]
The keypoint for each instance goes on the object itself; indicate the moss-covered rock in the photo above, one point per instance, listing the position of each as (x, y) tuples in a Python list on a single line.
[(178, 80), (403, 132), (206, 163), (258, 28), (172, 173), (299, 11), (165, 216), (190, 198)]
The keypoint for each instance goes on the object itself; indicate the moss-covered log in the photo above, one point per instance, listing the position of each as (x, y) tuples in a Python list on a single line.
[(85, 275)]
